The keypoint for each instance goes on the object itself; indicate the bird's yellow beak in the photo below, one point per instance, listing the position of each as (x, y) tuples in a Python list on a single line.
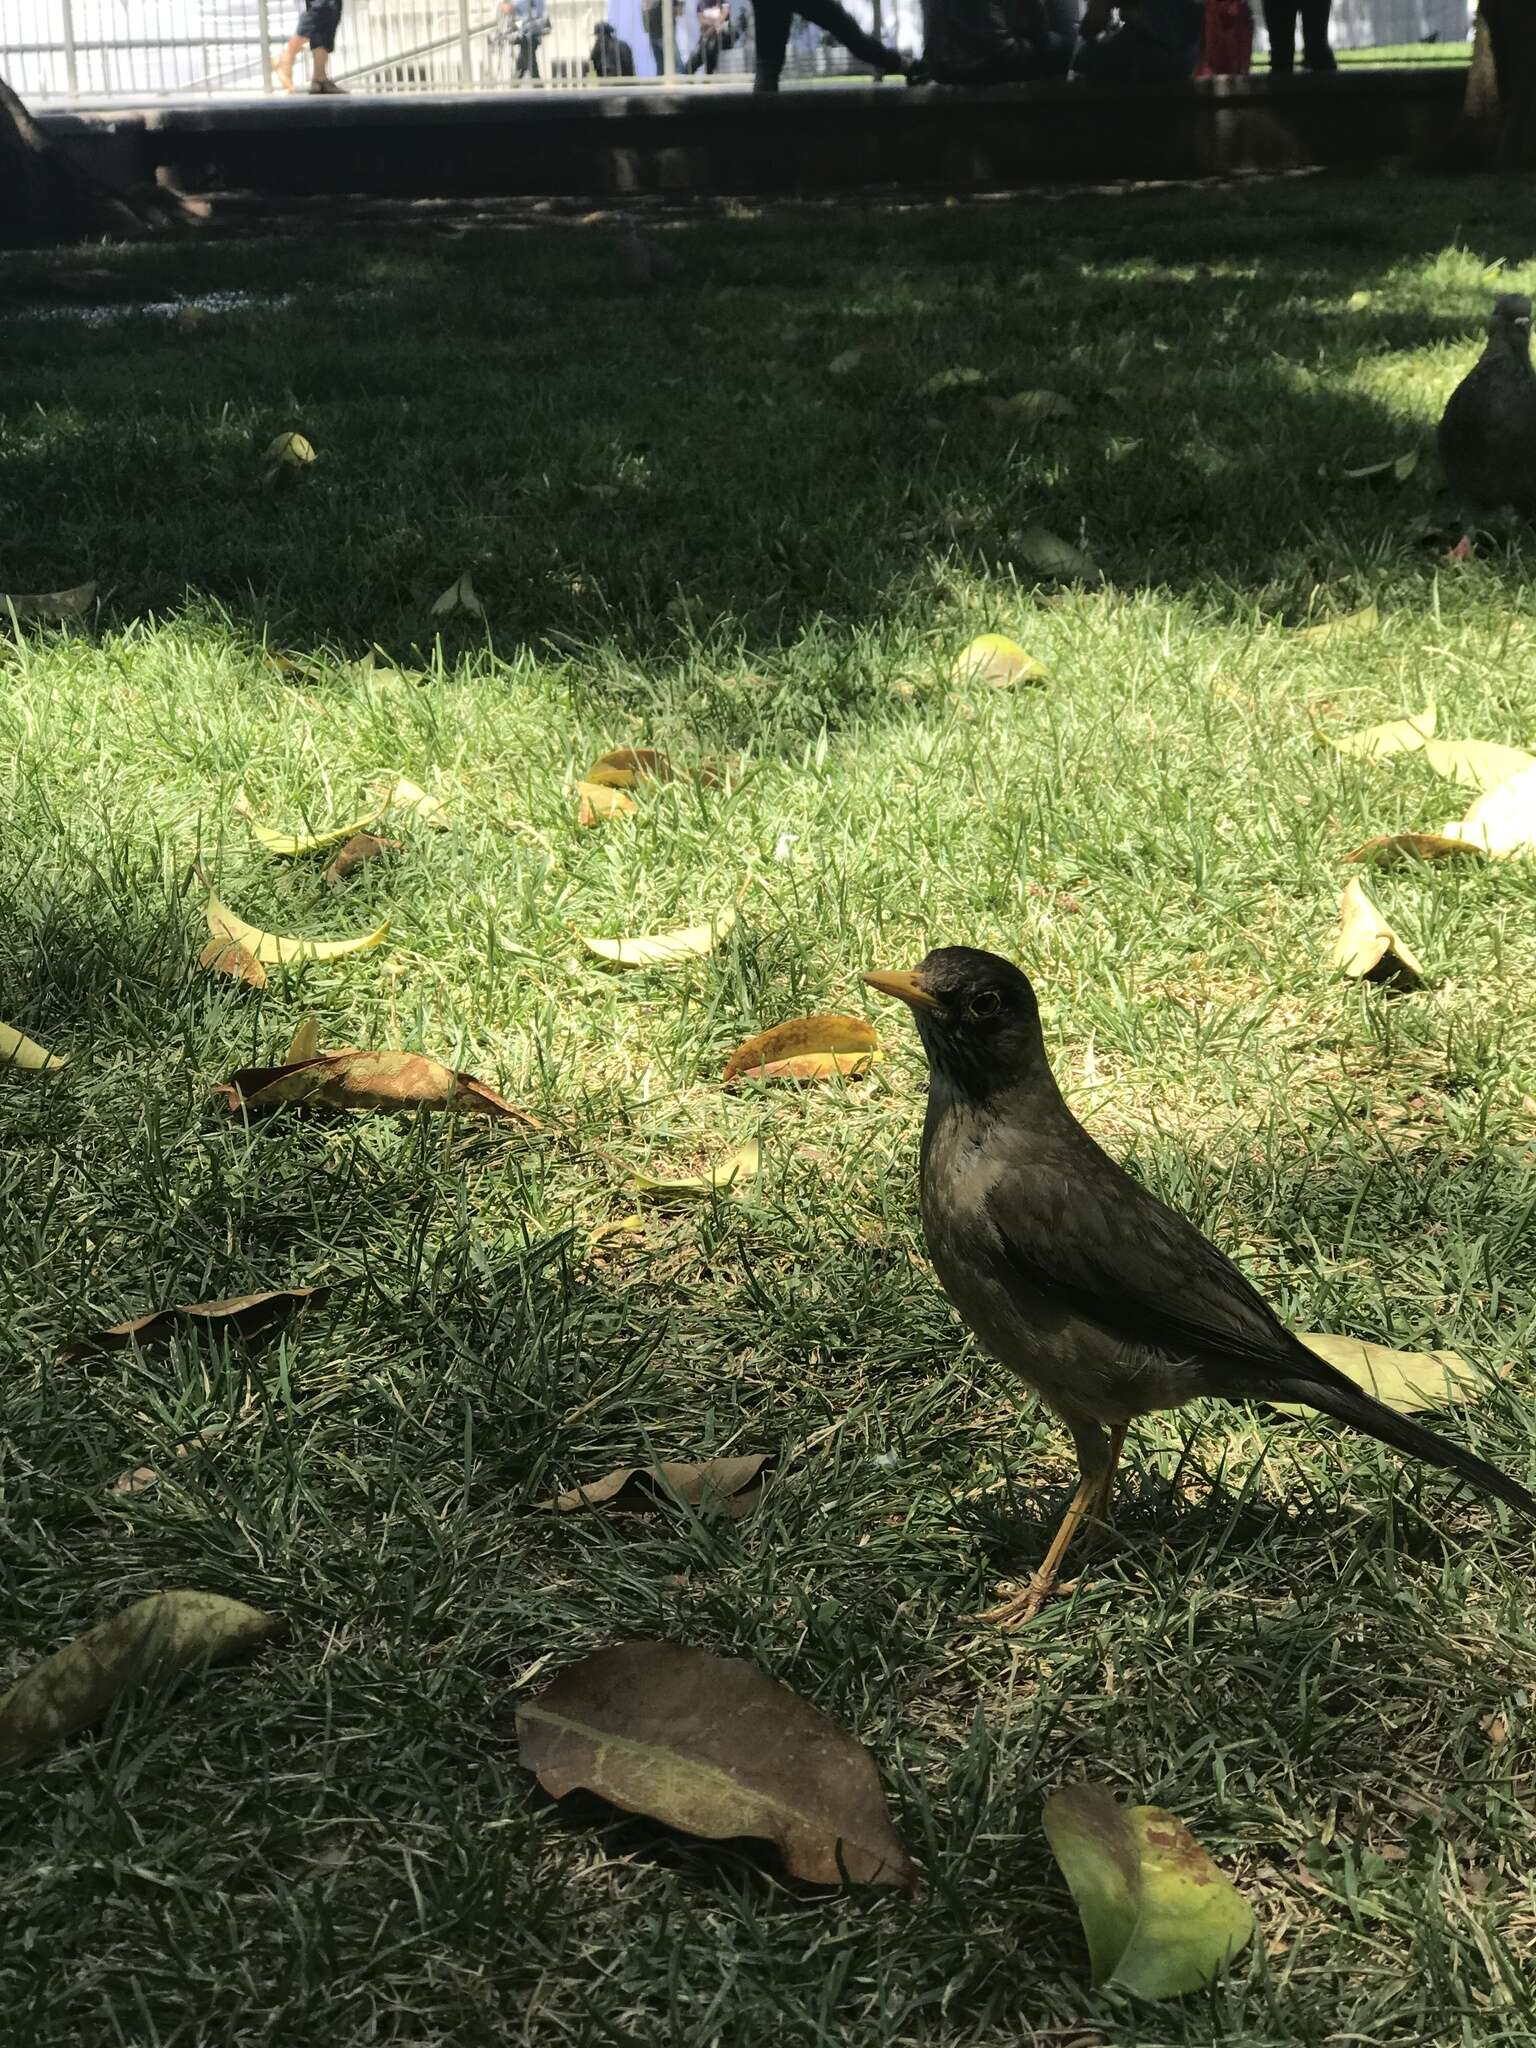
[(906, 988)]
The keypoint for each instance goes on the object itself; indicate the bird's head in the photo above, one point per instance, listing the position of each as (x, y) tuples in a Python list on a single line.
[(977, 1017), (1511, 321)]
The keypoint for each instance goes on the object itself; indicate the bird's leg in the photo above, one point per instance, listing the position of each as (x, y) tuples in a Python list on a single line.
[(1091, 1499), (1463, 550)]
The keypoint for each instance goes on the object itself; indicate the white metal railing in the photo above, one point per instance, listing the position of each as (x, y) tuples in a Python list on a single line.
[(149, 49)]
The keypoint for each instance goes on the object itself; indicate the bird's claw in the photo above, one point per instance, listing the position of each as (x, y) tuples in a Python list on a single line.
[(1025, 1604)]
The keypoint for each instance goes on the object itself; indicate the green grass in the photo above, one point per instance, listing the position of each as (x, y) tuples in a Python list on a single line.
[(687, 535)]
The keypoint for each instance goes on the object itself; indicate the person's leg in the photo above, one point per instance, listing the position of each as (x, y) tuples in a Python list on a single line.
[(1315, 50), (1280, 26), (772, 18), (283, 68), (832, 16)]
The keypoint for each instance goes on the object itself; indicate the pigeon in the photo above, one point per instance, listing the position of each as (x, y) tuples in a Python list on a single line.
[(1487, 434), (1109, 1304)]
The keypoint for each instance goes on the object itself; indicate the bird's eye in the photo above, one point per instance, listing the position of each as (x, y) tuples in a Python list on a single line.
[(986, 1004)]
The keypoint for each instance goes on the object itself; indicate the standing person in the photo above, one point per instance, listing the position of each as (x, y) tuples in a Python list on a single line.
[(317, 26), (611, 55), (1156, 41), (773, 19), (1280, 23), (714, 18)]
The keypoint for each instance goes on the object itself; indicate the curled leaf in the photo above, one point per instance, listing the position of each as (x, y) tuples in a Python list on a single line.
[(1394, 736), (387, 1081), (289, 844), (168, 1632), (235, 1315), (273, 951), (1367, 949), (952, 380), (1503, 820), (664, 949), (1366, 620), (460, 596), (722, 1485), (994, 658), (290, 448), (305, 1042), (1404, 1380), (1396, 469), (228, 956), (403, 796), (1482, 765), (739, 1168), (1049, 555), (49, 604), (626, 766), (1414, 846), (1031, 407), (711, 1745), (17, 1050), (815, 1048), (362, 846), (598, 800)]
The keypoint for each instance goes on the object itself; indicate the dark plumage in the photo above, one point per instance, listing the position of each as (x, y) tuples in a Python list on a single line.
[(1071, 1274), (1487, 435)]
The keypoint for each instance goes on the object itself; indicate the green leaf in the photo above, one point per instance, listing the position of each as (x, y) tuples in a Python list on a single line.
[(1049, 555), (1160, 1918), (1366, 620), (1404, 1380)]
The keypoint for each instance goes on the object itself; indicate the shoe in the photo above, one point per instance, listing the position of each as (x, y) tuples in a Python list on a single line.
[(328, 86)]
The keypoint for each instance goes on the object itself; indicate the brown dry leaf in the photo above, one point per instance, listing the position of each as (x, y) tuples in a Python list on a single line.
[(711, 1745), (49, 604), (360, 847), (739, 1168), (1482, 765), (722, 1485), (624, 767), (994, 658), (228, 956), (1367, 949), (168, 1632), (1415, 846), (664, 949), (1394, 736), (460, 596), (816, 1048), (235, 1315), (599, 801), (352, 1079), (143, 1477), (17, 1050)]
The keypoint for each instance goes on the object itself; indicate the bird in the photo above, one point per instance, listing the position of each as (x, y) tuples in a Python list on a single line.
[(1073, 1275), (1487, 433)]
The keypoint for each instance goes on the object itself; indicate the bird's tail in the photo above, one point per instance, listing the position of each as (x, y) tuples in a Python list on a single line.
[(1341, 1398)]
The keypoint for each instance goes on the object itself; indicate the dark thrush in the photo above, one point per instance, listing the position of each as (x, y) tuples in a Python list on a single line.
[(1487, 434), (1109, 1304)]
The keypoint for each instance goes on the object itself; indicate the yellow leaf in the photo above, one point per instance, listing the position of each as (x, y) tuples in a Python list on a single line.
[(401, 795), (460, 596), (1503, 820), (1477, 764), (1367, 949), (994, 658), (952, 380), (50, 604), (292, 843), (16, 1050), (1358, 301), (600, 800), (663, 949), (1398, 467), (1395, 736), (273, 951), (621, 1226), (305, 1043), (290, 448), (1365, 620), (805, 1049), (1033, 406), (742, 1166), (626, 766), (1404, 1380), (1447, 845)]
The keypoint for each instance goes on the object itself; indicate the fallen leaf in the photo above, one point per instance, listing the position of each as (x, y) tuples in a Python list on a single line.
[(598, 801), (289, 844), (815, 1048), (1414, 846), (1366, 620), (845, 364), (712, 1746), (994, 658), (1477, 764), (1049, 555), (1404, 1380), (49, 604), (1358, 301), (1367, 949), (290, 448), (723, 1485), (739, 1168), (17, 1050), (663, 949), (401, 795), (625, 766), (1032, 406), (305, 1042), (1502, 821), (1397, 468), (621, 1226), (362, 846), (382, 1081), (168, 1632), (273, 951), (143, 1477), (1160, 1918), (235, 1315), (460, 596), (952, 380), (228, 956), (1395, 736)]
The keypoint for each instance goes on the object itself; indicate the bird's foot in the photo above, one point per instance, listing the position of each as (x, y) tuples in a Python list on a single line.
[(1463, 550), (1026, 1603)]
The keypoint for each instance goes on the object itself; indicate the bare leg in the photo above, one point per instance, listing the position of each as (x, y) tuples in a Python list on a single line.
[(321, 60), (1091, 1500), (284, 65)]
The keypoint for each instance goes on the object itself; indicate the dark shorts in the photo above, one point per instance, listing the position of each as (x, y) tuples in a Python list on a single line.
[(319, 22)]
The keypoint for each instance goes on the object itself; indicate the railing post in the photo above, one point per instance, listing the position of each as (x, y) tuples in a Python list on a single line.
[(466, 64), (668, 43), (71, 62), (264, 32)]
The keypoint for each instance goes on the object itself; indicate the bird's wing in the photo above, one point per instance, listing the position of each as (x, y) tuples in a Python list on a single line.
[(1092, 1238)]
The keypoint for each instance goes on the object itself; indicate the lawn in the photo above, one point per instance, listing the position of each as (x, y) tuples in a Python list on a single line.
[(688, 533)]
